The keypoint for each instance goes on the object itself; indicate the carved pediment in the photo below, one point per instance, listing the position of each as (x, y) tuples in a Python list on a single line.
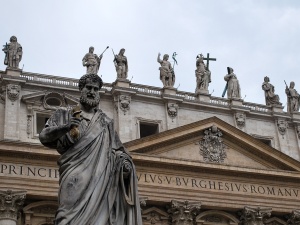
[(216, 217), (213, 141), (155, 215), (275, 221), (50, 100)]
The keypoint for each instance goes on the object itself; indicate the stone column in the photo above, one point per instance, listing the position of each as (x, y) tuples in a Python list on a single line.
[(184, 213), (11, 204), (255, 215)]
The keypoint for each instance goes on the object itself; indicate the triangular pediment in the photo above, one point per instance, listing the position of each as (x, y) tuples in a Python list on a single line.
[(200, 142)]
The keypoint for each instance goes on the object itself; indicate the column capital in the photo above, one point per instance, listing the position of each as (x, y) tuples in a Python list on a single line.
[(255, 215), (11, 202), (184, 212)]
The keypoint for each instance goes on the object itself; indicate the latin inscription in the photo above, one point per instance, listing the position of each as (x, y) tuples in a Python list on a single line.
[(51, 173), (215, 185)]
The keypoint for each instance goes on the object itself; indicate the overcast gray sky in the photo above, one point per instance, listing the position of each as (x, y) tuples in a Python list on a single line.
[(254, 37)]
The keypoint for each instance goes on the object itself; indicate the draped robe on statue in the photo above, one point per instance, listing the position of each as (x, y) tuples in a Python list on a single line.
[(93, 188)]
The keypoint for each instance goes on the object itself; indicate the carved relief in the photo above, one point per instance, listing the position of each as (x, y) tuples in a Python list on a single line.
[(294, 218), (275, 221), (212, 147), (11, 202), (184, 213), (172, 109), (13, 92), (216, 217), (154, 215), (255, 216), (282, 126), (124, 101), (240, 119)]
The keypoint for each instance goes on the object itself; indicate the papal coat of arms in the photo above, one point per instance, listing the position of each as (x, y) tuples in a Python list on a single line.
[(212, 147)]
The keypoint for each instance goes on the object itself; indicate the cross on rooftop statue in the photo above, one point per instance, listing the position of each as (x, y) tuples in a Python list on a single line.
[(209, 59)]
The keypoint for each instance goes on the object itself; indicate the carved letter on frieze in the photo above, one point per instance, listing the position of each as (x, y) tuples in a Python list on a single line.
[(294, 218), (184, 213), (282, 126), (255, 215), (124, 103), (212, 147), (11, 202), (13, 92), (240, 119), (172, 110)]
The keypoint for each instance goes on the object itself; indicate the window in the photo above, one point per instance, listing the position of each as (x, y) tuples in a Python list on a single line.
[(41, 120), (268, 140), (147, 129)]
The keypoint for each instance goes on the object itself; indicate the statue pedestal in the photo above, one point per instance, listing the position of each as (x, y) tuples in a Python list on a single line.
[(296, 117), (120, 82), (169, 90), (277, 109), (13, 71), (203, 95), (236, 102)]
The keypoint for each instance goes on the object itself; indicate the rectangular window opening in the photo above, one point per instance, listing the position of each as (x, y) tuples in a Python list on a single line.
[(147, 129), (41, 120)]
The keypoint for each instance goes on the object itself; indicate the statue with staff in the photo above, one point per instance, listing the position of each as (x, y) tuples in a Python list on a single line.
[(293, 98), (92, 61), (167, 74), (121, 64), (232, 86), (13, 53)]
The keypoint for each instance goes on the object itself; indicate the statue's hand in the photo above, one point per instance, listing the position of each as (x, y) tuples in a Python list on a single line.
[(126, 170), (74, 122)]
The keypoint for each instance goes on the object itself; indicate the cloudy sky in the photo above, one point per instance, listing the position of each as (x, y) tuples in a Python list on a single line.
[(257, 38)]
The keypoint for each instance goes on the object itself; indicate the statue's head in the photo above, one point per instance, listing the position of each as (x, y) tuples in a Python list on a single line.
[(122, 51), (89, 85), (166, 57), (266, 79), (13, 39), (292, 84), (91, 49)]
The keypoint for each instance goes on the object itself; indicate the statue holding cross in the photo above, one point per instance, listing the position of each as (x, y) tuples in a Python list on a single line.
[(203, 74)]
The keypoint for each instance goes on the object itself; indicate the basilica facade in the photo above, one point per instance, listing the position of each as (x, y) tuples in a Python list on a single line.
[(200, 159)]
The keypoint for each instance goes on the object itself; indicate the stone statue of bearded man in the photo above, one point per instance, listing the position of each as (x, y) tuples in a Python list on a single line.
[(98, 182)]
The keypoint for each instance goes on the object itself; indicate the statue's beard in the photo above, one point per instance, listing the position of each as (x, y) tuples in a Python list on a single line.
[(89, 101)]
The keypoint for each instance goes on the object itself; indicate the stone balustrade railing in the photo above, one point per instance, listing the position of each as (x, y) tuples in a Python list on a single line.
[(150, 90)]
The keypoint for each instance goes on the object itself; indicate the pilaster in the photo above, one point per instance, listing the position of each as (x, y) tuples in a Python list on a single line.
[(255, 215), (184, 213)]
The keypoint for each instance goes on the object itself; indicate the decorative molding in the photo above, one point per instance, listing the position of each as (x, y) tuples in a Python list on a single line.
[(240, 119), (255, 215), (172, 109), (13, 92), (294, 218), (154, 215), (282, 126), (216, 216), (11, 203), (212, 147), (298, 131), (184, 212), (124, 102), (275, 221)]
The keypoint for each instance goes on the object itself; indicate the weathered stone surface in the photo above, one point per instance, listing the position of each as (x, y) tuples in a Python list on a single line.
[(255, 215), (270, 96), (13, 53), (167, 75), (293, 98)]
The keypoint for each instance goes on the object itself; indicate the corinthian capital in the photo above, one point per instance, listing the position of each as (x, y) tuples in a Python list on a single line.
[(184, 213), (11, 202), (255, 215)]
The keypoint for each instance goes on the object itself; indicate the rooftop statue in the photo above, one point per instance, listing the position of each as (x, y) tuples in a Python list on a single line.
[(293, 98), (121, 64), (203, 75), (271, 97), (232, 86), (13, 53), (92, 61), (98, 181), (167, 75)]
